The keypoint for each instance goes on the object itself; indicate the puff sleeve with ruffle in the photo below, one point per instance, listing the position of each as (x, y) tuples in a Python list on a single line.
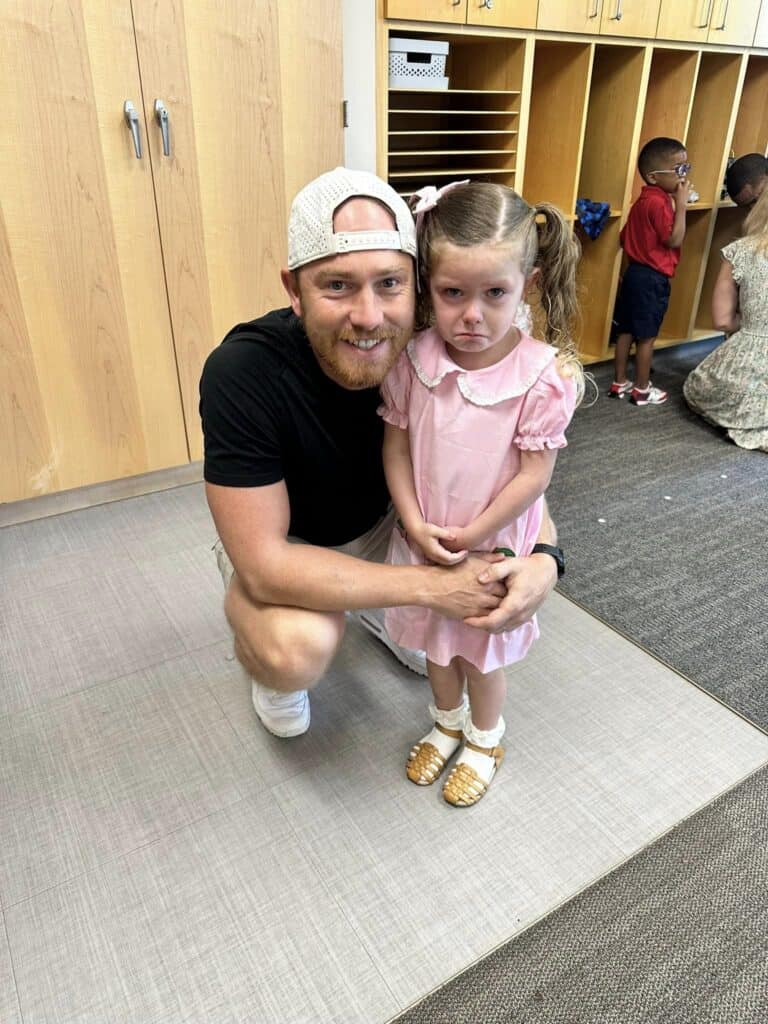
[(547, 411), (396, 393), (734, 253)]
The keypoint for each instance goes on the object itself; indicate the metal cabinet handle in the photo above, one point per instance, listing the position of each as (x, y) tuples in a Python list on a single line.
[(161, 116), (707, 15), (721, 26), (596, 11), (488, 4), (132, 120), (618, 15), (456, 3)]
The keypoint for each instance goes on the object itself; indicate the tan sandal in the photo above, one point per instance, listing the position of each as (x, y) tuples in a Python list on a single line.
[(464, 786), (425, 762)]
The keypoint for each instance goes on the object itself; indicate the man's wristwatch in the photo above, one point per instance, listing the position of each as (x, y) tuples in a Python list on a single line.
[(557, 554)]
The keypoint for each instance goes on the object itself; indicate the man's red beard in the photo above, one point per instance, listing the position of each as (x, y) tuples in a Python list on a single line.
[(341, 362)]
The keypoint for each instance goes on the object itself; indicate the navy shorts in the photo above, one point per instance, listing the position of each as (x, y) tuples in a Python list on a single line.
[(642, 301)]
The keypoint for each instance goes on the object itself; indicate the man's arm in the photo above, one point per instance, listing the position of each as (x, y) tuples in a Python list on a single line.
[(252, 523), (529, 582)]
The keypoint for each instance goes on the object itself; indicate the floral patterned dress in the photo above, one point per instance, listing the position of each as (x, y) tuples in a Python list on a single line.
[(730, 387)]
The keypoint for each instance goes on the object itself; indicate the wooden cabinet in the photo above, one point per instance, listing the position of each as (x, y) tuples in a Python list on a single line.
[(449, 11), (566, 16), (89, 389), (761, 32), (729, 22), (118, 273), (629, 18), (497, 13), (606, 17), (733, 22), (502, 13)]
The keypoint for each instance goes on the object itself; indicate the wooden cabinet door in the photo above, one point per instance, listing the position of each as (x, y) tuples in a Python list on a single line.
[(629, 18), (733, 22), (503, 13), (761, 32), (450, 11), (88, 388), (570, 16), (684, 20), (221, 192)]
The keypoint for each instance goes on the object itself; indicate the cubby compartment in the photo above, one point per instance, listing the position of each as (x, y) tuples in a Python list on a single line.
[(729, 225), (712, 119), (597, 278), (557, 115), (616, 91), (751, 131), (686, 284), (668, 100), (470, 129)]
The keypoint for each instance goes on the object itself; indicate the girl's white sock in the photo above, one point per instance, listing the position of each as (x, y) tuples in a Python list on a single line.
[(483, 764), (452, 719)]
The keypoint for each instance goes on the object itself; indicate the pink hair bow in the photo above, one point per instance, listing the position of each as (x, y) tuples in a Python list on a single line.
[(429, 196)]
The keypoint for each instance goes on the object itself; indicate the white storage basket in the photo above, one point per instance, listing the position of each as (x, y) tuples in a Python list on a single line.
[(417, 63)]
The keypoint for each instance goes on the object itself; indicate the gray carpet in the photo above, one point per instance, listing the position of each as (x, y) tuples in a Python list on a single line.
[(678, 935), (664, 522)]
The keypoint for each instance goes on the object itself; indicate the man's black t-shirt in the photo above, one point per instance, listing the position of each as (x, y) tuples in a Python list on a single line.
[(270, 413)]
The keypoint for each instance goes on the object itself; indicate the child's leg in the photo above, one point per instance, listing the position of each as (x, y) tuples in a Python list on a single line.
[(644, 393), (621, 383), (621, 357), (643, 357), (428, 757), (481, 754), (447, 682)]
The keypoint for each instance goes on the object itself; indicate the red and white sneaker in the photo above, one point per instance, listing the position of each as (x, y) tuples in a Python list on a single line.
[(617, 390), (650, 396)]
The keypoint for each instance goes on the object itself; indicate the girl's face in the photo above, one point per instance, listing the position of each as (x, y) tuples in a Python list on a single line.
[(475, 294)]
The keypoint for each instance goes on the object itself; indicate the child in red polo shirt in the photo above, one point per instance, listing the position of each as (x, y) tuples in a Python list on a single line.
[(651, 238)]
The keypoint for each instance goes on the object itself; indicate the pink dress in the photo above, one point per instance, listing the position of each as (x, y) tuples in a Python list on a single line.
[(466, 430)]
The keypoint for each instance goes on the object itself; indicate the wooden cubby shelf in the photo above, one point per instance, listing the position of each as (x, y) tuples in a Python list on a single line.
[(564, 118)]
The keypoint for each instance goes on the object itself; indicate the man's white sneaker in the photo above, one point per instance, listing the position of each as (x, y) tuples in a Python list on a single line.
[(372, 619), (282, 714)]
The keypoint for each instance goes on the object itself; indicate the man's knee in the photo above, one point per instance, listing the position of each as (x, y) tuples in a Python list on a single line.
[(295, 652)]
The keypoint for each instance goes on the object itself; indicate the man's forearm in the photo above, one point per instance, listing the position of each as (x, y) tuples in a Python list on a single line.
[(324, 580), (306, 576)]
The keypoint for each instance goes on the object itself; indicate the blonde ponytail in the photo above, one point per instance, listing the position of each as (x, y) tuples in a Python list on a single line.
[(558, 256)]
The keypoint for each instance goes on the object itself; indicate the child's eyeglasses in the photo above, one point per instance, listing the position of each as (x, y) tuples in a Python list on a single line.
[(679, 169)]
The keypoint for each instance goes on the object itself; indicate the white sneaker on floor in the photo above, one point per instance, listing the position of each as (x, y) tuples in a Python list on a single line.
[(372, 619), (282, 714)]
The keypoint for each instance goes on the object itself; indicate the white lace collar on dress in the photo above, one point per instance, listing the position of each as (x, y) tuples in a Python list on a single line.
[(513, 376)]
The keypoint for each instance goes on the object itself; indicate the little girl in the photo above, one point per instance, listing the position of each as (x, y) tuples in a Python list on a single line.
[(475, 411)]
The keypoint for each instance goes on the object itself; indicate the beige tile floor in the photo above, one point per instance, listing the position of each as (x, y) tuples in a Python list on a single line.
[(163, 859)]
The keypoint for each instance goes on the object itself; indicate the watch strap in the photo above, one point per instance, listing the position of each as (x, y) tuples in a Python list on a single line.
[(555, 552)]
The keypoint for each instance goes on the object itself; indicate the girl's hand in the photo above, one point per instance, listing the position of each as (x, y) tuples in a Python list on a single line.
[(458, 540), (438, 543)]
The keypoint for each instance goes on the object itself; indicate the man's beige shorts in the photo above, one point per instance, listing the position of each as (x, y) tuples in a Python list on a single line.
[(371, 547)]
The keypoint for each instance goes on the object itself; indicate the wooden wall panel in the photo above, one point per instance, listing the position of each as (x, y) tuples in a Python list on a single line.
[(311, 90)]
